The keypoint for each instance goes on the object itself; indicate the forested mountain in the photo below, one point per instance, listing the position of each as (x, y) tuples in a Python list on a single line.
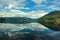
[(51, 20)]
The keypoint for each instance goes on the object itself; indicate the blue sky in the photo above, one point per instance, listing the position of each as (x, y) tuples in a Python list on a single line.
[(30, 5), (28, 8), (32, 8)]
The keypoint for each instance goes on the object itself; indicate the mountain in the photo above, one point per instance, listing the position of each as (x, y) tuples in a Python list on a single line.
[(51, 20), (17, 20)]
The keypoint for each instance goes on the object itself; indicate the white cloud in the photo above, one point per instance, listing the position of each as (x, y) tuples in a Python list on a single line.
[(56, 2), (5, 3), (17, 13), (38, 1), (22, 8), (37, 6), (9, 4), (37, 14), (54, 7), (21, 0), (12, 13)]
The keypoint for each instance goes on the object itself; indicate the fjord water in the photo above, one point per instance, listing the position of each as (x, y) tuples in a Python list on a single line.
[(30, 29)]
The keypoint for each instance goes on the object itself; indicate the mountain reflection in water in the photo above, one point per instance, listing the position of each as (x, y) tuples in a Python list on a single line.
[(30, 31), (25, 31)]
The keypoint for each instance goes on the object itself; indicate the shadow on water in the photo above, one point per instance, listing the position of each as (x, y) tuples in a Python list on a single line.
[(17, 20)]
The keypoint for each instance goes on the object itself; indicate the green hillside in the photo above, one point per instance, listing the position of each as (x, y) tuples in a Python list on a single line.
[(51, 20)]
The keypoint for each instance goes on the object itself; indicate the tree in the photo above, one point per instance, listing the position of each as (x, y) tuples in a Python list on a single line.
[(1, 20), (51, 20)]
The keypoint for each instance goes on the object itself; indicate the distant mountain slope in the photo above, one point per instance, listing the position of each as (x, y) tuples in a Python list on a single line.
[(51, 20), (17, 20)]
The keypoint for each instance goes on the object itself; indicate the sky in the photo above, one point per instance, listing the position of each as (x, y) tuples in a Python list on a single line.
[(28, 8), (30, 5)]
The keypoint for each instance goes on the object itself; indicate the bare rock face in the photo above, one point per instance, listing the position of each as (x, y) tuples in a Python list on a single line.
[(51, 20)]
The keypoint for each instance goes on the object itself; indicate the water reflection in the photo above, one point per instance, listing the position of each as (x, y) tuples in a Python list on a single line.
[(16, 27), (32, 30)]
